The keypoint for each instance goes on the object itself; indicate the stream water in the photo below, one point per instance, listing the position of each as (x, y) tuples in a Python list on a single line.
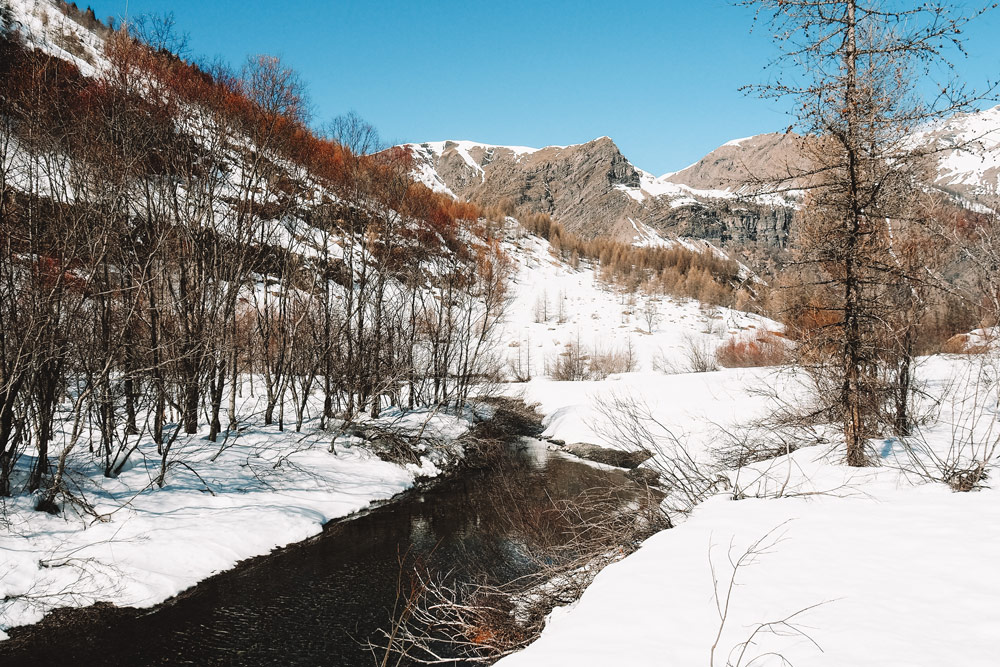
[(319, 602)]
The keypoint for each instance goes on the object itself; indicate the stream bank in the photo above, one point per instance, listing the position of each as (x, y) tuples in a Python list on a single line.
[(319, 601)]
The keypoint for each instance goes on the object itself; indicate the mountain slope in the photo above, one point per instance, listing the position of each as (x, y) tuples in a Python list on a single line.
[(965, 156), (593, 190), (969, 159), (731, 166)]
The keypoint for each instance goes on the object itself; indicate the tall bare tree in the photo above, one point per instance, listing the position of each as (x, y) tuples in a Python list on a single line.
[(858, 72)]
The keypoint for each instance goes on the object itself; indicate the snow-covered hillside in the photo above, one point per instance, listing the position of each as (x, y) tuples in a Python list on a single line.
[(42, 24), (964, 149), (556, 305), (969, 159), (840, 566)]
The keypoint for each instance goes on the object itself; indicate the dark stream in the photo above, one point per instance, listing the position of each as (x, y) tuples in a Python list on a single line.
[(318, 602)]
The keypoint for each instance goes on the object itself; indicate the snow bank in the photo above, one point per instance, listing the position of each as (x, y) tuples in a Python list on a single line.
[(873, 566), (142, 545)]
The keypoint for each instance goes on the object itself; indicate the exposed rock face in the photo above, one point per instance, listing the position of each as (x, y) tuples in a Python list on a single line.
[(575, 184), (737, 165), (593, 190), (727, 223)]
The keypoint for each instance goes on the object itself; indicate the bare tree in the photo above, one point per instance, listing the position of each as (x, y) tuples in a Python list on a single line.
[(651, 313), (856, 71)]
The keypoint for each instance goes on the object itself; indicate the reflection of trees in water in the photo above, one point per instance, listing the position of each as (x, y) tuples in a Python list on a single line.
[(540, 537)]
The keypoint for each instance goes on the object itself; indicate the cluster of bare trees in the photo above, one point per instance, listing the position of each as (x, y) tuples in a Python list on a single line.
[(171, 238)]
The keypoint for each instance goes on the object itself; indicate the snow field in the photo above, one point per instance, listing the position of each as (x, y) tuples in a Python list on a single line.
[(581, 309), (873, 566)]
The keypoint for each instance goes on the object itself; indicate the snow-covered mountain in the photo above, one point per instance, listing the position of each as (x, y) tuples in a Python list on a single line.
[(967, 153), (594, 190)]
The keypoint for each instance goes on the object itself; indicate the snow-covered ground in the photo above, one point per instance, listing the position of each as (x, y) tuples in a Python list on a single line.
[(873, 566), (904, 575), (555, 305), (224, 502)]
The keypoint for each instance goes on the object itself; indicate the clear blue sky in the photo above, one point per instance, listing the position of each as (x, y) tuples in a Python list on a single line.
[(660, 78)]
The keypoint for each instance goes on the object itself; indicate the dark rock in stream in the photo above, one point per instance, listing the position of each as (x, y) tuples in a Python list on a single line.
[(646, 476), (612, 457)]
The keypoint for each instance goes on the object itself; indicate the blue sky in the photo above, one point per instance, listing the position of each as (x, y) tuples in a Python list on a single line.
[(661, 78)]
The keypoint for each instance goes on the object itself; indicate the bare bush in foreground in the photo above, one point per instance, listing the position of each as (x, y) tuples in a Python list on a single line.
[(973, 436), (723, 591), (439, 619), (631, 424)]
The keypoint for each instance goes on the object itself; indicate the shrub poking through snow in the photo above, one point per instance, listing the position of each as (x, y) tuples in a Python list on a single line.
[(700, 358), (763, 349), (577, 362)]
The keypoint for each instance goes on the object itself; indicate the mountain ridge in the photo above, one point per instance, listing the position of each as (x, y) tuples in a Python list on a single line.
[(593, 189)]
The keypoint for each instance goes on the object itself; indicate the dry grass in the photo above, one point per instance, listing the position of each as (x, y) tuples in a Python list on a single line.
[(962, 344)]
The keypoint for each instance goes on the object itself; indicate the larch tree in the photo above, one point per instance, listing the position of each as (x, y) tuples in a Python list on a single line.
[(862, 76)]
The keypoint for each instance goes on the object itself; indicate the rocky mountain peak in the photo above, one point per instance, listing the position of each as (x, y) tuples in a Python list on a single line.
[(594, 190), (591, 188)]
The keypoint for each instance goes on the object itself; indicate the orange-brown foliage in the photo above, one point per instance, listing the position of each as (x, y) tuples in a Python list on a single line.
[(764, 348)]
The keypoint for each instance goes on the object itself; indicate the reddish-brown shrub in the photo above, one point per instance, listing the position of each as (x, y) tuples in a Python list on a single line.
[(764, 348), (963, 344)]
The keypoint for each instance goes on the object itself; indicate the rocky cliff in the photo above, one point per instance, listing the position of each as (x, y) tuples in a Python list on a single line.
[(593, 190)]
